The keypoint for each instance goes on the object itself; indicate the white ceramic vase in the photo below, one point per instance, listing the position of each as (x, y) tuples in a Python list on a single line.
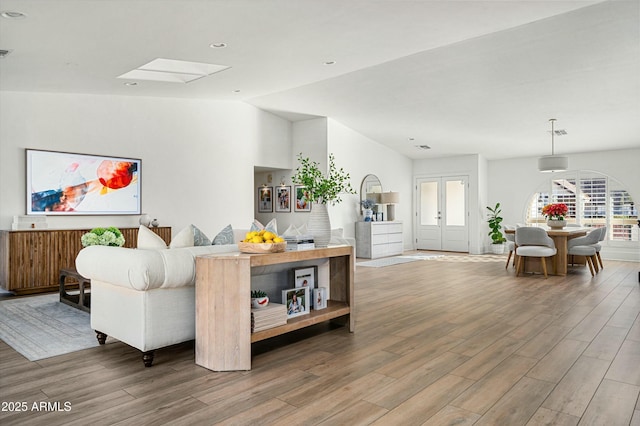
[(319, 225), (556, 224)]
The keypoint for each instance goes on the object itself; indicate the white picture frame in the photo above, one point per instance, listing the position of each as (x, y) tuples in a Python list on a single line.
[(319, 298), (305, 277), (297, 301)]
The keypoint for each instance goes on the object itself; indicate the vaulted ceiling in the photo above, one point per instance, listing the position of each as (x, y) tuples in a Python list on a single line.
[(462, 77)]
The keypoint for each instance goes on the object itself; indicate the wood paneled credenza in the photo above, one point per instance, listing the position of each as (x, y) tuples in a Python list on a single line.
[(31, 260), (223, 301)]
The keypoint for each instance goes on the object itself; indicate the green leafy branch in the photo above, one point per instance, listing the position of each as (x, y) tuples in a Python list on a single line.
[(323, 188)]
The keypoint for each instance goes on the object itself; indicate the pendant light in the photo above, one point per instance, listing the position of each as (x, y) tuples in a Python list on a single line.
[(553, 163)]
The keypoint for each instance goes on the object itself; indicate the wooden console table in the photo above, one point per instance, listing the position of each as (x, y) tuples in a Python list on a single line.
[(223, 302), (31, 260)]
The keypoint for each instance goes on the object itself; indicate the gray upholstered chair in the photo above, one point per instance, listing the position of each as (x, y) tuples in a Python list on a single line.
[(583, 246), (533, 242), (511, 245), (598, 246)]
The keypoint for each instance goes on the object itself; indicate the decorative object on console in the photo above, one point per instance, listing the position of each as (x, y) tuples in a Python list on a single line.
[(62, 183), (494, 220), (145, 220), (390, 199), (555, 214), (29, 222), (155, 223), (262, 241), (368, 205), (553, 163), (296, 300), (103, 237), (305, 277), (321, 189), (319, 298), (259, 299)]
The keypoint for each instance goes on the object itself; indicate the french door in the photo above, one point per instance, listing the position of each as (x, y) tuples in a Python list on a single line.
[(442, 216)]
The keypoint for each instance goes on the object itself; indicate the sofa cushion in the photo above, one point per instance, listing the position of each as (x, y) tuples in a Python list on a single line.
[(272, 226), (224, 237), (199, 237), (147, 239), (182, 239)]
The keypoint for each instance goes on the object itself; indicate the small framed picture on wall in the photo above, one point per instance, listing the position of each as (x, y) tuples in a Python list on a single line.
[(303, 202), (265, 199), (283, 199)]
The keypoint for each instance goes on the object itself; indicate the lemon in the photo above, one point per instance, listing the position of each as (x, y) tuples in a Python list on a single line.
[(278, 240), (257, 239), (269, 235)]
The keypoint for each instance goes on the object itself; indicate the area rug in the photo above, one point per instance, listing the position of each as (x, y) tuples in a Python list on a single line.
[(40, 327)]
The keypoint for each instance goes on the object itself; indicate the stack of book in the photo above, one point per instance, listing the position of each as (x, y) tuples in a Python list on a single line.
[(299, 242), (272, 315)]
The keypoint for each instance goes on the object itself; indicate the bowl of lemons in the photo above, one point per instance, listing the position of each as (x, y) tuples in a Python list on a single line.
[(262, 242)]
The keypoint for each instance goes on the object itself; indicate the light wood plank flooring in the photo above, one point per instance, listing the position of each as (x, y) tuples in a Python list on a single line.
[(436, 343)]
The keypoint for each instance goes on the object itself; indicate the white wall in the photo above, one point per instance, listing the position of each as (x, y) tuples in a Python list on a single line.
[(361, 156), (197, 156), (513, 182)]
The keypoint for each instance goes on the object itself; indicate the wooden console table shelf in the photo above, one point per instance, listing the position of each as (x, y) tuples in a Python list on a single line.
[(223, 302)]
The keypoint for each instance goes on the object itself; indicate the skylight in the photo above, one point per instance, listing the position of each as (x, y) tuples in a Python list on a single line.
[(172, 71)]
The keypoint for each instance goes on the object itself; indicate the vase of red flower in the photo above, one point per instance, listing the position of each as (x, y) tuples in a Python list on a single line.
[(555, 214)]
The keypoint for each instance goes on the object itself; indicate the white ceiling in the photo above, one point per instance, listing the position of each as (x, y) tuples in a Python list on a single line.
[(464, 77)]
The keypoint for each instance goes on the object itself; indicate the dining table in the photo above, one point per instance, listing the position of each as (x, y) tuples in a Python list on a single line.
[(560, 237)]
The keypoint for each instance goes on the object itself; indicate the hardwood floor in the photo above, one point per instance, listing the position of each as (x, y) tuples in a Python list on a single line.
[(436, 343)]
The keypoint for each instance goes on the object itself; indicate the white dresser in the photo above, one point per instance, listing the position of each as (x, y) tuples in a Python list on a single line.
[(378, 239)]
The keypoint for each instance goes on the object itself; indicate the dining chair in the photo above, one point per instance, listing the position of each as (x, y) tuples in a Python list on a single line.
[(511, 244), (583, 246), (533, 242), (598, 246)]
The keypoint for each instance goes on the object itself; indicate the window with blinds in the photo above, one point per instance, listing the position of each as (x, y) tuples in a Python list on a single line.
[(594, 200)]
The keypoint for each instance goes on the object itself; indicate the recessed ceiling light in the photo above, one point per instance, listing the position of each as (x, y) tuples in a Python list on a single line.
[(236, 91), (412, 139), (130, 83), (330, 62), (218, 45), (8, 14), (423, 147)]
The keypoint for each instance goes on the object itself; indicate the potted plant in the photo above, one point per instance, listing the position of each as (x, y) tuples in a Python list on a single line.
[(555, 214), (110, 236), (259, 299), (497, 239), (322, 189)]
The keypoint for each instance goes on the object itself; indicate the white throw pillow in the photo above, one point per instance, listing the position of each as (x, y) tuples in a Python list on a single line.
[(147, 239), (183, 238)]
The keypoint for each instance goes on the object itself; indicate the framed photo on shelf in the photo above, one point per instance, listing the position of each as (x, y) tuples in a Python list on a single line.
[(297, 301), (303, 203), (283, 199), (319, 298), (265, 199)]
